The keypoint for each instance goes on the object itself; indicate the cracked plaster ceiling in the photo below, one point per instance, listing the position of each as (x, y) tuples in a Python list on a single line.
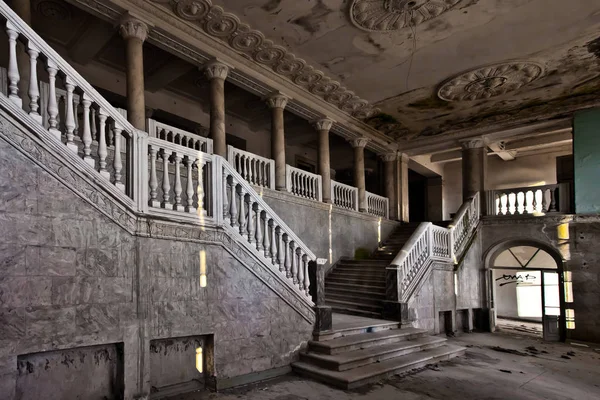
[(439, 66)]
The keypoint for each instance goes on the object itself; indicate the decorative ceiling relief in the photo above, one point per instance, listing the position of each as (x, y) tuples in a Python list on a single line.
[(392, 15), (490, 81), (54, 10), (253, 44)]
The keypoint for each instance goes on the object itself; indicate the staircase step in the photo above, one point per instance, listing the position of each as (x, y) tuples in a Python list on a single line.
[(359, 342), (353, 262), (367, 325), (358, 279), (355, 304), (358, 358), (340, 273), (374, 372), (358, 297), (355, 286), (354, 311), (354, 292)]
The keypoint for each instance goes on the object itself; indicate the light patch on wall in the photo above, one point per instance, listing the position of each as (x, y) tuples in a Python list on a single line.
[(202, 268), (563, 231), (570, 318), (330, 236), (568, 286), (199, 361), (455, 283), (379, 232)]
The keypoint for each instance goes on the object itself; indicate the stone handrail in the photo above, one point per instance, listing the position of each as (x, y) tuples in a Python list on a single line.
[(377, 205), (90, 139), (430, 243), (303, 184), (344, 196), (529, 200), (257, 170), (178, 136)]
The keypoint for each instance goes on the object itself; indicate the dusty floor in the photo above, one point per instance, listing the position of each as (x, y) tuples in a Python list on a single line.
[(535, 370)]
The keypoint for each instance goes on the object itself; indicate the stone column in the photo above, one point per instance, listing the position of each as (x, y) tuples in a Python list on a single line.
[(323, 126), (135, 32), (359, 171), (23, 9), (389, 161), (277, 103), (216, 73), (402, 190), (474, 162)]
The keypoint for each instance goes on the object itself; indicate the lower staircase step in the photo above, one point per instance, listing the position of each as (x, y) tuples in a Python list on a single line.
[(374, 372), (355, 304), (354, 311)]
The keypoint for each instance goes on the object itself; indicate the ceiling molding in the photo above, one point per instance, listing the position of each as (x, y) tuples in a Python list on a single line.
[(188, 41)]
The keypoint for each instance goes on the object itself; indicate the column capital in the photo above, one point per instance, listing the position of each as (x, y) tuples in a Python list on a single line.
[(404, 158), (132, 27), (359, 142), (389, 157), (216, 69), (323, 124), (473, 143), (277, 100)]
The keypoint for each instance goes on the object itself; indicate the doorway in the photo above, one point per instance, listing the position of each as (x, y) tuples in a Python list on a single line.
[(527, 292)]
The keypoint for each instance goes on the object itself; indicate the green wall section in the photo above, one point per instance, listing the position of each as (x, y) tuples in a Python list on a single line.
[(586, 158)]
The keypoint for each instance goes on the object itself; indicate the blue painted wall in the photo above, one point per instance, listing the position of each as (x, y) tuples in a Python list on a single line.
[(586, 158)]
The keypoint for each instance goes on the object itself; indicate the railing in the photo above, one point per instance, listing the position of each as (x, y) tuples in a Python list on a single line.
[(95, 134), (257, 170), (377, 205), (433, 243), (529, 200), (303, 184), (162, 177), (178, 136), (344, 196)]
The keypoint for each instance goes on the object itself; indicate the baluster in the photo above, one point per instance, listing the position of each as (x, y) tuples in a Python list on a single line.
[(200, 189), (526, 211), (263, 174), (288, 261), (280, 250), (274, 241), (294, 256), (93, 124), (258, 234), (178, 188), (306, 275), (87, 139), (553, 199), (267, 237), (75, 111), (117, 162), (110, 138), (243, 216), (300, 270), (102, 152), (504, 201), (252, 172), (166, 186), (189, 187), (69, 119), (233, 208), (544, 202), (34, 90), (13, 67), (225, 198), (517, 211), (153, 202), (52, 104)]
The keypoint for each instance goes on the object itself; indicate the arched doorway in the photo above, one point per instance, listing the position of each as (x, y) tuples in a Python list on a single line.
[(527, 287)]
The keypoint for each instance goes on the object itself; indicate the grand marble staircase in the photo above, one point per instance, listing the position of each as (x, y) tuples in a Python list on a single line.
[(359, 350), (358, 286)]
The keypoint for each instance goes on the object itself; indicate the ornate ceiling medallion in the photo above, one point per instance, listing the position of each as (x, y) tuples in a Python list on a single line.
[(53, 10), (490, 81), (392, 15)]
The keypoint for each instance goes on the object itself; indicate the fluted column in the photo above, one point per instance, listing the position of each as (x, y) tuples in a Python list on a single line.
[(323, 126), (277, 103), (389, 163), (135, 32), (402, 192), (474, 162), (216, 72), (359, 171)]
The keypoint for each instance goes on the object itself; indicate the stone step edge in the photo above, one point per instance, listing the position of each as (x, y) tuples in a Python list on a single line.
[(367, 338), (352, 304)]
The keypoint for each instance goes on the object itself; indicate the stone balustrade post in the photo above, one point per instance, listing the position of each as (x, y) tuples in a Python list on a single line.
[(277, 103), (135, 33), (323, 313), (217, 72), (389, 161), (474, 166), (323, 126), (359, 171)]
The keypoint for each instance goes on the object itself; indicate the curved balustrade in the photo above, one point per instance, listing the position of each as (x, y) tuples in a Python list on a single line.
[(179, 136), (344, 196), (68, 107), (529, 200), (377, 205), (244, 211), (303, 184), (257, 170)]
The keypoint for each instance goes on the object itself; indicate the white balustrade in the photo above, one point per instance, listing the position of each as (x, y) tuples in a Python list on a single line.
[(377, 205), (257, 170), (303, 184), (344, 196), (67, 105), (529, 200), (178, 136)]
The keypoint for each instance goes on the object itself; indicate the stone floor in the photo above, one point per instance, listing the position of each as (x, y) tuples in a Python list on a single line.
[(496, 366)]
